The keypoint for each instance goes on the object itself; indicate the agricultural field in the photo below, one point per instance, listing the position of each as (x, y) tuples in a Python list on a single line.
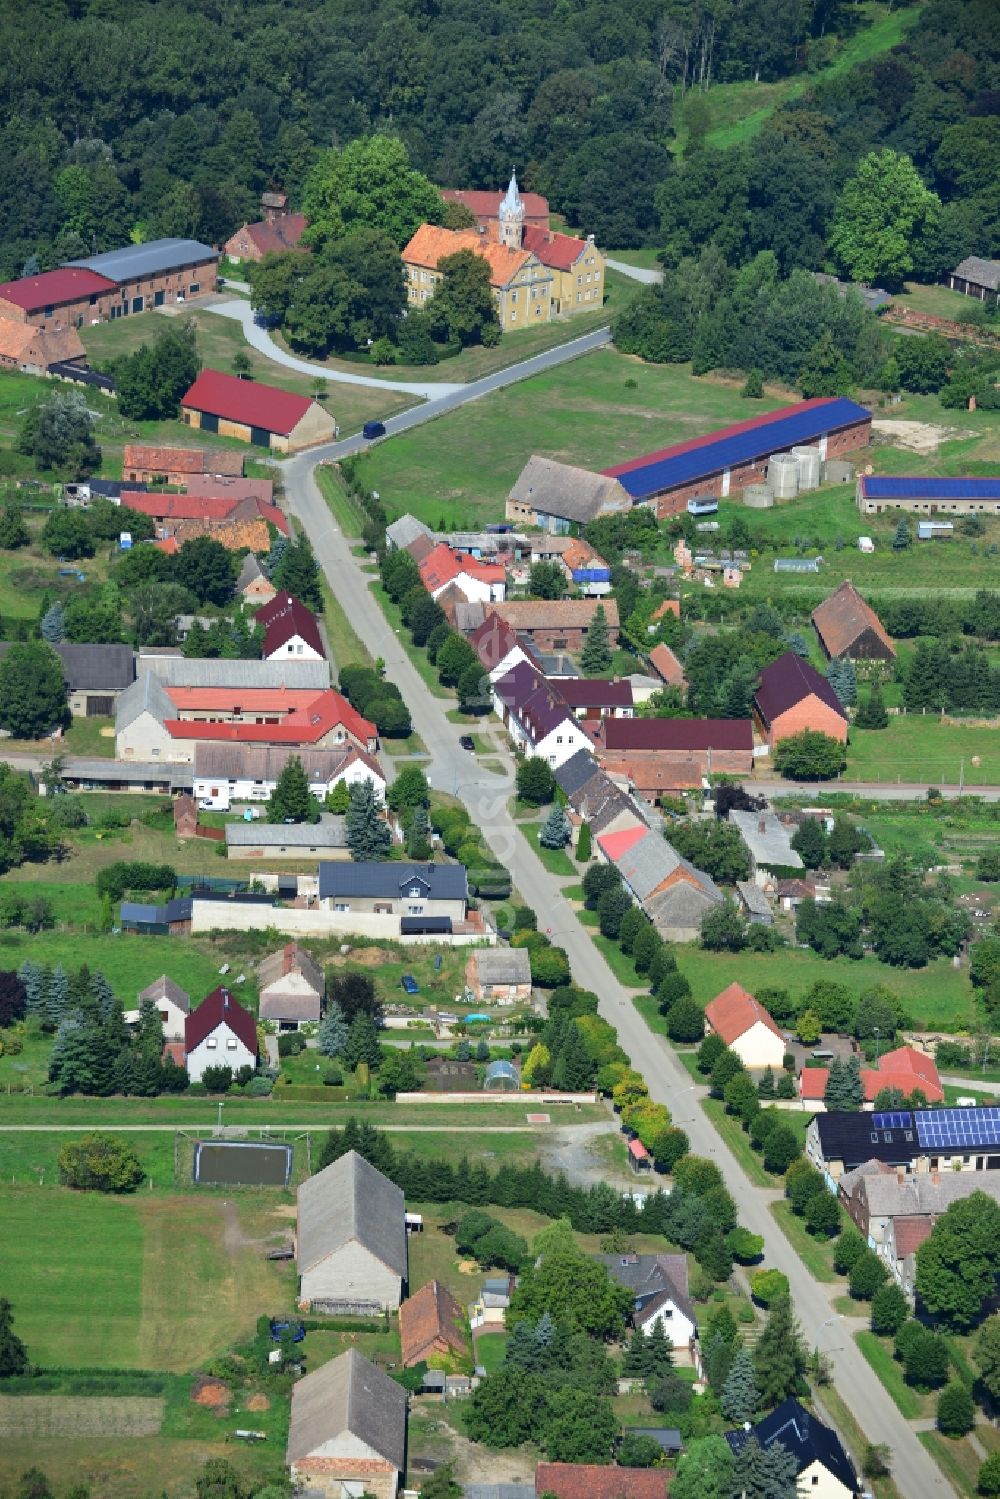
[(926, 750)]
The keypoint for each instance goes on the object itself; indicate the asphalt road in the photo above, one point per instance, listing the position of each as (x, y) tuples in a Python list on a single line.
[(485, 795)]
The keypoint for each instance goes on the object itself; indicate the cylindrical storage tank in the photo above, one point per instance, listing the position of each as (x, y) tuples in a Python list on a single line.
[(809, 463), (758, 496), (836, 471), (783, 476)]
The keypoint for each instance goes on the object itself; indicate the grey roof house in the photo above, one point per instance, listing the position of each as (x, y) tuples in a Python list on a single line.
[(172, 1003), (291, 987), (500, 974), (674, 894), (347, 1432), (768, 841), (95, 675), (350, 1242), (412, 898), (183, 671), (405, 530), (976, 277), (659, 1287), (277, 840)]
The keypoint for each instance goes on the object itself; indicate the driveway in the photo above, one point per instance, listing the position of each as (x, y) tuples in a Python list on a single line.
[(485, 796), (635, 272)]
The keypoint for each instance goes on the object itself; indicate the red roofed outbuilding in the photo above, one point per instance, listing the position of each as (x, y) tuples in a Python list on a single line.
[(746, 1027), (68, 298), (905, 1069), (590, 1481), (219, 1033), (261, 414)]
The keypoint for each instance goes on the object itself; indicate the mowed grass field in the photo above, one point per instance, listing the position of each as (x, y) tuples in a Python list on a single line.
[(935, 995), (461, 466), (925, 750), (155, 1281)]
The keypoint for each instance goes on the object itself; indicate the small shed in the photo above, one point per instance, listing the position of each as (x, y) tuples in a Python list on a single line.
[(754, 903), (185, 816), (638, 1156), (499, 974), (502, 1077)]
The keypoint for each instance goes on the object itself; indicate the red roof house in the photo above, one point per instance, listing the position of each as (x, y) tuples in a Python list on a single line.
[(485, 581), (291, 631), (219, 1033), (324, 721), (746, 1027), (906, 1069), (663, 756), (256, 413), (590, 1481), (792, 696)]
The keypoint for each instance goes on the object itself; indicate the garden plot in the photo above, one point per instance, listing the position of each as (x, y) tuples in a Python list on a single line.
[(73, 1416)]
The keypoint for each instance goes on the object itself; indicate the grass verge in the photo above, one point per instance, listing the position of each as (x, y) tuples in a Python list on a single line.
[(815, 1254)]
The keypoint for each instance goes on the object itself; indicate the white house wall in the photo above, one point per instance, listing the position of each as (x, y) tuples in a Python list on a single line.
[(352, 1274), (229, 1051), (759, 1047)]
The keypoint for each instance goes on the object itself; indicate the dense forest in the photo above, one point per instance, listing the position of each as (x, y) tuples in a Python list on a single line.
[(128, 117)]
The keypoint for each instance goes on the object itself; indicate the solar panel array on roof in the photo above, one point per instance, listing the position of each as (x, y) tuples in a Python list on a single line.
[(689, 462), (929, 489), (896, 1120), (942, 1129)]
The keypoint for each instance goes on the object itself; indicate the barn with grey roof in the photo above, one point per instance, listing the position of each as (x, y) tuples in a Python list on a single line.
[(347, 1433), (350, 1243), (560, 498)]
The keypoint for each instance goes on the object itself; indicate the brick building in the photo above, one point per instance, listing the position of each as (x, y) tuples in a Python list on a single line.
[(34, 350), (847, 626), (67, 298), (792, 696), (160, 273), (733, 457), (145, 464), (943, 497), (275, 234), (557, 624), (663, 756), (486, 207), (256, 413)]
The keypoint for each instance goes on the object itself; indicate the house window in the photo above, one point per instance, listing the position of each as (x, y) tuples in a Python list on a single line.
[(415, 890), (211, 1043), (341, 905), (415, 910), (194, 288), (231, 1045)]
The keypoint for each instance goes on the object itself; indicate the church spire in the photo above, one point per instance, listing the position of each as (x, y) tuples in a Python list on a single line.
[(512, 216)]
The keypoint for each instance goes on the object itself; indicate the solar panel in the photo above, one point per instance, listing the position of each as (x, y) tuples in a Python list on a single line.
[(944, 1129), (894, 1120)]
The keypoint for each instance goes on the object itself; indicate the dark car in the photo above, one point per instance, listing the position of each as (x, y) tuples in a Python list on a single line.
[(373, 429), (467, 742), (410, 984)]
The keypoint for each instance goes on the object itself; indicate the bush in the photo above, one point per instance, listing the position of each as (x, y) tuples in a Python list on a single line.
[(768, 1286), (848, 1250), (290, 1043), (217, 1079), (685, 1020), (988, 1482), (100, 1163)]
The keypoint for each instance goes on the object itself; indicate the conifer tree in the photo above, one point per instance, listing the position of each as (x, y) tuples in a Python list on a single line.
[(556, 832), (30, 974), (739, 1393), (765, 1472), (368, 836), (659, 1354), (779, 1358), (362, 1043), (291, 800), (583, 843), (596, 654), (332, 1035), (13, 1354), (872, 712), (57, 997), (53, 625)]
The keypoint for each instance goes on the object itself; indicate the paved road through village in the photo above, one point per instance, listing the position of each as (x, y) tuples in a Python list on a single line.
[(485, 795)]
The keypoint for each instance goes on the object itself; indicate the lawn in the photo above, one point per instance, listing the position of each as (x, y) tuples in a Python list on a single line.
[(556, 860), (879, 1354), (738, 1141), (833, 1407), (490, 1349), (956, 1459), (180, 1112), (815, 1254), (219, 339), (740, 110), (926, 750), (460, 467), (938, 995), (938, 301)]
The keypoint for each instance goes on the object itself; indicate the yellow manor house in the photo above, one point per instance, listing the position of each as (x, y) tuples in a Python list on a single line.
[(535, 274)]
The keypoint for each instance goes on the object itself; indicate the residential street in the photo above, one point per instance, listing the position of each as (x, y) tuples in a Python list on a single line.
[(485, 795)]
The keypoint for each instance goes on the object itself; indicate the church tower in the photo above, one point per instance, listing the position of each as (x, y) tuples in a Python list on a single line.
[(511, 230)]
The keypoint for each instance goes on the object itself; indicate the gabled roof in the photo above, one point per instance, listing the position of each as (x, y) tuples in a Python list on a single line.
[(164, 988), (982, 272), (730, 447), (494, 640), (560, 251), (178, 909), (593, 692), (283, 619), (51, 288), (148, 259), (350, 1201), (843, 617), (281, 235), (617, 844), (263, 762), (802, 1435), (683, 734), (502, 965), (909, 1059), (371, 879), (246, 401), (768, 839), (292, 958), (250, 571), (146, 694), (651, 860), (219, 1008), (575, 772), (442, 566), (330, 833), (305, 724), (348, 1396), (667, 665), (431, 244), (734, 1012), (161, 460), (652, 1275), (192, 671), (432, 1313), (909, 1233), (588, 1481), (95, 668), (485, 204), (556, 614), (907, 488), (563, 490), (406, 529), (788, 681)]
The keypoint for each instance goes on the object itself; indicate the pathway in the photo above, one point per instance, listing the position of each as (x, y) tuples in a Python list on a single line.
[(635, 272), (485, 796)]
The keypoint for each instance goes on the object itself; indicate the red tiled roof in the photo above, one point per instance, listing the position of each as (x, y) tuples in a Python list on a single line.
[(678, 733), (159, 460), (233, 485), (910, 1232), (588, 1481), (666, 665), (249, 699), (174, 1050), (486, 204), (246, 401), (213, 508), (430, 1315), (216, 1008), (70, 284), (812, 1082), (430, 244), (909, 1059), (301, 726), (442, 566), (787, 682), (168, 544), (284, 234), (735, 1011), (843, 616), (560, 251), (616, 844), (637, 1150), (283, 618)]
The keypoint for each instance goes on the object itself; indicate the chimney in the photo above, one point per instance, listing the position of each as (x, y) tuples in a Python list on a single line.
[(762, 825)]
